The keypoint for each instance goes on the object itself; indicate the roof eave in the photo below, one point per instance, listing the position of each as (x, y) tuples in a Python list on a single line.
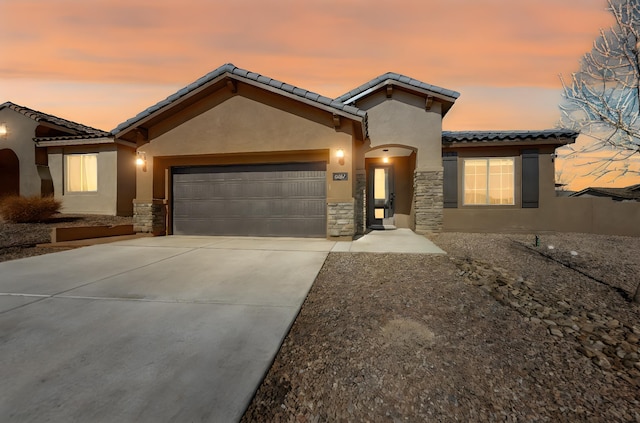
[(479, 143), (408, 87), (135, 123), (120, 133), (51, 142)]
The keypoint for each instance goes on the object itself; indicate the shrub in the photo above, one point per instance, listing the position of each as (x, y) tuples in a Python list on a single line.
[(28, 209)]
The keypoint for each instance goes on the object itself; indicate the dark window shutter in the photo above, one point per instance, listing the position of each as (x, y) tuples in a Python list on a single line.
[(450, 180), (530, 179)]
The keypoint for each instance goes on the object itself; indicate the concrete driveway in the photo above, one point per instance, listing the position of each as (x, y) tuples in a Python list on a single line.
[(153, 329)]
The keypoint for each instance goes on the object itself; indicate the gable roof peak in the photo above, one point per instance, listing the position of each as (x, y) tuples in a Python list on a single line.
[(252, 78), (397, 79)]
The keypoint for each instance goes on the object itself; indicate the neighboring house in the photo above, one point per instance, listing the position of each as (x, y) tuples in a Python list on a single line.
[(630, 193), (238, 153), (86, 168)]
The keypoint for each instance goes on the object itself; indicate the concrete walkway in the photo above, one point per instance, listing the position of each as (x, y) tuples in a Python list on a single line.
[(156, 329), (395, 241)]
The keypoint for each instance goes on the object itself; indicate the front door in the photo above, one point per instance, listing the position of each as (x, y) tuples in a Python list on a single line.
[(380, 196)]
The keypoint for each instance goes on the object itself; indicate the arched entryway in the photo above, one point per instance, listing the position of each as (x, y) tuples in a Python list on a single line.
[(389, 201), (9, 173)]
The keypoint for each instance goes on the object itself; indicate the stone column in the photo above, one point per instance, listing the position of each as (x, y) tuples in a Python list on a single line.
[(428, 197), (150, 217), (361, 202), (340, 219)]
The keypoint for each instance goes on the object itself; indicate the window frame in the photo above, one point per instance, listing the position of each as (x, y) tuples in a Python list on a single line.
[(488, 187), (67, 188)]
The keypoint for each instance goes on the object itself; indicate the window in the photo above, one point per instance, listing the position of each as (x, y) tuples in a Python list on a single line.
[(81, 173), (489, 181)]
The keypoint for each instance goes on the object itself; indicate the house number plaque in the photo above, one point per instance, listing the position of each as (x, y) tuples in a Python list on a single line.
[(341, 176)]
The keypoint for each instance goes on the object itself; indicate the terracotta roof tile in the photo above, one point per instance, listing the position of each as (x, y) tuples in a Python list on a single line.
[(619, 194), (350, 96), (73, 127), (241, 73), (506, 136)]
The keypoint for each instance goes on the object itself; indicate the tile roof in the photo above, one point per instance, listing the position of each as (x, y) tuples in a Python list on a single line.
[(506, 136), (83, 130), (239, 73), (626, 193), (392, 76)]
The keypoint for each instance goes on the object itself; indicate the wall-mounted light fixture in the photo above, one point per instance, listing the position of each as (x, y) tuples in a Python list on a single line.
[(340, 156), (141, 160), (3, 130), (385, 159)]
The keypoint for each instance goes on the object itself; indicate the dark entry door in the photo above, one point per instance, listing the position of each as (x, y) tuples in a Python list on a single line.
[(380, 195), (251, 200)]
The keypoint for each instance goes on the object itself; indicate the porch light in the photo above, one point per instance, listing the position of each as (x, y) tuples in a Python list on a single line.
[(340, 155), (141, 161), (3, 130)]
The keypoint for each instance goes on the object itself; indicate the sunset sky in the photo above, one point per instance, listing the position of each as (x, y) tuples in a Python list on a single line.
[(100, 62)]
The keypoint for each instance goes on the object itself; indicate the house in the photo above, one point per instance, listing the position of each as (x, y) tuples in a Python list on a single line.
[(630, 193), (239, 153), (89, 170)]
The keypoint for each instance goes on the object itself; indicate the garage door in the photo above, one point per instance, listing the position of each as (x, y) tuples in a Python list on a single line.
[(253, 200)]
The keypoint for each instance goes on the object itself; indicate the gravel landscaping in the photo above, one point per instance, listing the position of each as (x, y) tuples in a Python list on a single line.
[(497, 330)]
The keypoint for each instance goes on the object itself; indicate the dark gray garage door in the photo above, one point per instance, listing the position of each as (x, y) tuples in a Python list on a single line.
[(253, 200)]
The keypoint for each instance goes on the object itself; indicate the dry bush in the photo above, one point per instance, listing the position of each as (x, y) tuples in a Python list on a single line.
[(28, 209)]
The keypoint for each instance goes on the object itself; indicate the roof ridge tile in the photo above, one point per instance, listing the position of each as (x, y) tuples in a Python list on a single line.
[(242, 73), (347, 97), (55, 120)]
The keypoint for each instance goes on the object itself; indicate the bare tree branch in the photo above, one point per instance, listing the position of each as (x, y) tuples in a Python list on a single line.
[(603, 97)]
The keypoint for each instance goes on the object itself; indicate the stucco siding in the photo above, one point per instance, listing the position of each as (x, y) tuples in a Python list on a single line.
[(404, 120), (104, 200), (19, 139), (126, 180), (230, 128)]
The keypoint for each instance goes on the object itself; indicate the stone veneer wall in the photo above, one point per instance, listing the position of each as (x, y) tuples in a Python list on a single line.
[(340, 220), (361, 203), (428, 200), (150, 217)]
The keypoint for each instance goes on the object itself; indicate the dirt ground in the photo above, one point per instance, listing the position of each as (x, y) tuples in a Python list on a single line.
[(497, 330), (18, 240)]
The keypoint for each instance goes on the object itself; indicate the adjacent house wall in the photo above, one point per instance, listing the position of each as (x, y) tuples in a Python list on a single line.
[(104, 201), (19, 139)]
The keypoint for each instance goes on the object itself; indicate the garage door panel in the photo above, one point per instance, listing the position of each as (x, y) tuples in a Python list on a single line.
[(258, 200), (265, 209)]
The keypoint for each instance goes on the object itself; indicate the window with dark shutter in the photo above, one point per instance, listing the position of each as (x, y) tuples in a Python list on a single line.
[(450, 180), (530, 179)]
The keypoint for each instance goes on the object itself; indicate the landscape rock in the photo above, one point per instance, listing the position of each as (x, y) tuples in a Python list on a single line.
[(385, 337)]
